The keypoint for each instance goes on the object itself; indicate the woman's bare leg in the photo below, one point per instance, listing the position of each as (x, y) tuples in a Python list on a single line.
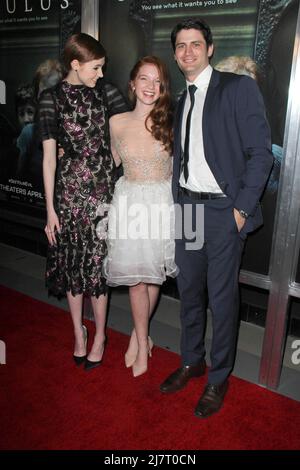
[(75, 305), (140, 306), (151, 299), (153, 293), (99, 308)]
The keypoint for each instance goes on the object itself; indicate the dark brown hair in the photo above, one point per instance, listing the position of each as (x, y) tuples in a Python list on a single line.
[(161, 115), (191, 23), (82, 47)]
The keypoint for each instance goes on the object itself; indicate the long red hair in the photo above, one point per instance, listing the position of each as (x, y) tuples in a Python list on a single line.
[(161, 116)]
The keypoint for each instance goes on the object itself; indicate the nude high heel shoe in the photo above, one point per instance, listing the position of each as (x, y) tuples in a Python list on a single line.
[(130, 358), (81, 359), (139, 369), (150, 346)]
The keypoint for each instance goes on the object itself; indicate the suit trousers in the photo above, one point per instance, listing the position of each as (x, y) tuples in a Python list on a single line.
[(210, 272)]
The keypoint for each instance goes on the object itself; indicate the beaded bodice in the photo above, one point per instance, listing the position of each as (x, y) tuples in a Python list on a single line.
[(143, 157)]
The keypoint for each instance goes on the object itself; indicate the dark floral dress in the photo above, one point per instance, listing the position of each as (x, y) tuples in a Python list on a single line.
[(76, 117)]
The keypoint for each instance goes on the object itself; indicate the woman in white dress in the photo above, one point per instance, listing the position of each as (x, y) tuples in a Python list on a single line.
[(141, 216)]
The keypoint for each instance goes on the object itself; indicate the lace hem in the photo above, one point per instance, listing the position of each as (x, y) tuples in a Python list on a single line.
[(60, 291)]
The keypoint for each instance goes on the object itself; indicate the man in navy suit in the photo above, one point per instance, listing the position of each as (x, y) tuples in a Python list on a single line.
[(222, 159)]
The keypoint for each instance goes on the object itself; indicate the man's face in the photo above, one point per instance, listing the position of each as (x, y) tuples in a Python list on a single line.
[(191, 53)]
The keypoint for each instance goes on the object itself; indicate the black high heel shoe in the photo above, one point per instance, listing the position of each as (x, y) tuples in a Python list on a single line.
[(92, 364), (81, 359)]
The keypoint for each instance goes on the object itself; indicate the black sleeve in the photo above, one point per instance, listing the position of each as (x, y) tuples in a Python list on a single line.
[(116, 102), (47, 116)]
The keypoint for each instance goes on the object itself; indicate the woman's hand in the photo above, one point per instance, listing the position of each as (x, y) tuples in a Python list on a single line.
[(52, 227), (60, 152)]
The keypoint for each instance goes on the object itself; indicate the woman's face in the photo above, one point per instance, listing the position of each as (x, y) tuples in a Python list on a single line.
[(147, 84), (88, 72)]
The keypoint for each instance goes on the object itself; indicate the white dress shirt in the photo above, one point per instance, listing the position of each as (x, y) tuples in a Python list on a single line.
[(200, 177)]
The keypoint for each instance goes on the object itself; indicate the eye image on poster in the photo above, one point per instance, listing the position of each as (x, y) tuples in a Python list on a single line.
[(32, 34), (253, 37)]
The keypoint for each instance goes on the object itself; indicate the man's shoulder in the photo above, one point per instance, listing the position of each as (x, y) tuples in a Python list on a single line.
[(232, 78), (233, 81)]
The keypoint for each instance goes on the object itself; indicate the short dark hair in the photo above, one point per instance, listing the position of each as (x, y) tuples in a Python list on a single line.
[(82, 47), (191, 23)]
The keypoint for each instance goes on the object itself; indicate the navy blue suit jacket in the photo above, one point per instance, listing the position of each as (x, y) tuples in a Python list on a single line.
[(236, 139)]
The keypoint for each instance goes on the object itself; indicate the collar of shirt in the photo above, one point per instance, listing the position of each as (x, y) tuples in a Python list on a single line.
[(203, 79)]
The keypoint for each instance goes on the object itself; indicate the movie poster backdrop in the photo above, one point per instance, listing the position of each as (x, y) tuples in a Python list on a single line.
[(32, 35), (263, 30), (33, 32)]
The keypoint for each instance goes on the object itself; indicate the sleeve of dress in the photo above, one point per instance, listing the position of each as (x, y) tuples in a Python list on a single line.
[(115, 100), (47, 117)]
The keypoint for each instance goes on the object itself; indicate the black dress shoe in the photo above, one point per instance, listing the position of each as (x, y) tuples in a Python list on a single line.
[(91, 364), (79, 360), (211, 400), (178, 379)]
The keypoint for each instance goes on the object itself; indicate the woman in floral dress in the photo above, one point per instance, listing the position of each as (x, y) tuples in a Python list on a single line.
[(78, 187)]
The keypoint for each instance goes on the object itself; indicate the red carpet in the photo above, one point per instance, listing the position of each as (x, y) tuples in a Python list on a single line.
[(47, 403)]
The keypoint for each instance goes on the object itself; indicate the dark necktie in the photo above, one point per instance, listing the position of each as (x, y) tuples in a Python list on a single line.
[(192, 90)]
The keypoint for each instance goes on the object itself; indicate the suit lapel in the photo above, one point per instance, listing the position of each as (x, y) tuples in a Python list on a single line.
[(210, 96), (177, 131), (207, 119), (178, 119)]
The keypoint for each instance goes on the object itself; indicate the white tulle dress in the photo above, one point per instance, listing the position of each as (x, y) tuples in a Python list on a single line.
[(141, 216)]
